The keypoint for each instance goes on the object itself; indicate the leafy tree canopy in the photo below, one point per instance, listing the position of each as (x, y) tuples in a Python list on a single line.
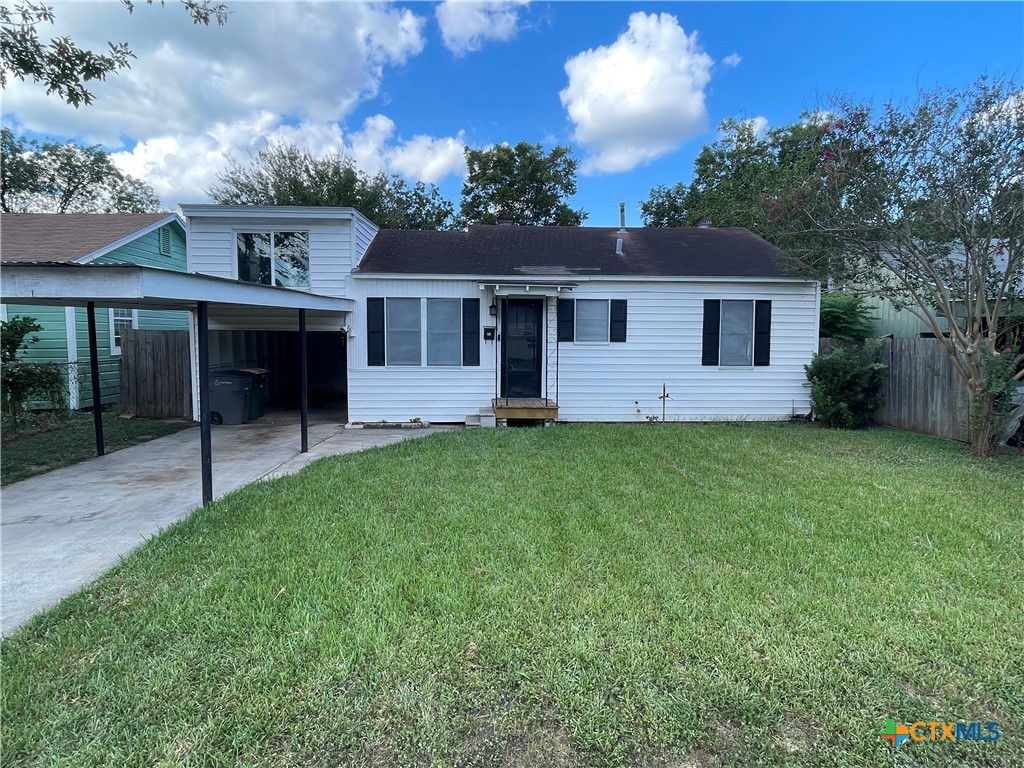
[(66, 178), (922, 204), (59, 64), (522, 184), (283, 174), (734, 176)]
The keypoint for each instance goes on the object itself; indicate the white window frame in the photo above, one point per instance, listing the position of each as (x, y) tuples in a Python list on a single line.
[(424, 319), (115, 348), (273, 255), (753, 329), (608, 324)]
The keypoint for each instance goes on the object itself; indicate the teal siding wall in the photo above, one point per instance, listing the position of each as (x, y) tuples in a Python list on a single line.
[(52, 346), (145, 251), (110, 365), (901, 324)]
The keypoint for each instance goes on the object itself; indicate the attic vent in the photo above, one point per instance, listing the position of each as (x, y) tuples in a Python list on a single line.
[(165, 241), (704, 222)]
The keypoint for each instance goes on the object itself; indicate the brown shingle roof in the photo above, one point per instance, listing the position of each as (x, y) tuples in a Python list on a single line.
[(552, 251), (39, 238)]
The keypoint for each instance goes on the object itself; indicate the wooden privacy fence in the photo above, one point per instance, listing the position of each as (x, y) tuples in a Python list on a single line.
[(922, 391), (156, 380)]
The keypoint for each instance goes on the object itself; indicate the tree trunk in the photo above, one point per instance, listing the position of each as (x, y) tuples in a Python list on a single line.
[(984, 435)]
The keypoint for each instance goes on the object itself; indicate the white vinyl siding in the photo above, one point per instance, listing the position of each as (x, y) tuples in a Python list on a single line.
[(212, 247), (609, 382)]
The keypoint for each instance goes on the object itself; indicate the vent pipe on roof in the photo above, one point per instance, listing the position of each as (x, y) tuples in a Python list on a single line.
[(618, 246), (622, 217)]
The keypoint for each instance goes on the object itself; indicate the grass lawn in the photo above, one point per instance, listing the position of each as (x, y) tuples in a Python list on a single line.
[(46, 442), (666, 595)]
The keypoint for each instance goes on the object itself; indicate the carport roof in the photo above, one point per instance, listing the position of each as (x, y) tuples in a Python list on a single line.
[(134, 287)]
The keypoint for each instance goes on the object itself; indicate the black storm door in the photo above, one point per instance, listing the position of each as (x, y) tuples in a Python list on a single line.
[(521, 347)]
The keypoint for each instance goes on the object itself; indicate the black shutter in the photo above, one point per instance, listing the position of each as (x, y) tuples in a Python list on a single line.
[(762, 332), (375, 331), (566, 319), (618, 329), (471, 331), (712, 324)]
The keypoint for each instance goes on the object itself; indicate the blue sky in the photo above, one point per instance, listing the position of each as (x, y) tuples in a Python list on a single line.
[(636, 88)]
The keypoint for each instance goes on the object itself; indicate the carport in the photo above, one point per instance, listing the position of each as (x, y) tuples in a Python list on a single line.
[(229, 303)]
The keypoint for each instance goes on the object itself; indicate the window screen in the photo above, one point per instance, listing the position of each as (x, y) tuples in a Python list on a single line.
[(403, 332), (737, 340), (591, 320), (444, 332)]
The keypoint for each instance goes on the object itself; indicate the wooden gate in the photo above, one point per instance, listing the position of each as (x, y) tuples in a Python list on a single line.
[(156, 379)]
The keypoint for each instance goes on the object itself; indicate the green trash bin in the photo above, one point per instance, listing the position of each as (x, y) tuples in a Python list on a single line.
[(257, 390)]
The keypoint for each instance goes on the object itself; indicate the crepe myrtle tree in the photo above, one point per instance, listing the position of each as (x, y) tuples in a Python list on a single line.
[(923, 204)]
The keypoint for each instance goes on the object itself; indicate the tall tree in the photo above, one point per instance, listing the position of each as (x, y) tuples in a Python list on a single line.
[(522, 184), (66, 178), (733, 176), (59, 64), (284, 174), (923, 204)]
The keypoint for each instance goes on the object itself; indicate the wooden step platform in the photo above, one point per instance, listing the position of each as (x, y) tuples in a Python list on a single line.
[(524, 408)]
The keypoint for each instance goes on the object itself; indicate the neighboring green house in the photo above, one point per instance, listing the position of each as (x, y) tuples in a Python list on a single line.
[(151, 240)]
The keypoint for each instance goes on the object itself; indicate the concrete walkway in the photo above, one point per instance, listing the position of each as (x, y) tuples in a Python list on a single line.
[(63, 529)]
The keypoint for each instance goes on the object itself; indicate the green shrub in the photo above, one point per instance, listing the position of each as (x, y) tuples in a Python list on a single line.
[(845, 316), (22, 381), (846, 385)]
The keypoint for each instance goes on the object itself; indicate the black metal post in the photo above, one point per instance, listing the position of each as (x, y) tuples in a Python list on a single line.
[(94, 364), (203, 340), (304, 396)]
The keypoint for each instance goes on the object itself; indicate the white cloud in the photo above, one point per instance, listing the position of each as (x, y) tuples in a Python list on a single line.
[(197, 98), (732, 60), (303, 61), (466, 25), (640, 97), (181, 168)]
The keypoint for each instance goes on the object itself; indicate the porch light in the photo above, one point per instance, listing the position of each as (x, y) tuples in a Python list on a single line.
[(493, 309)]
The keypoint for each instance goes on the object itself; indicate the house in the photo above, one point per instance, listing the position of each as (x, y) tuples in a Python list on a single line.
[(154, 240), (566, 323)]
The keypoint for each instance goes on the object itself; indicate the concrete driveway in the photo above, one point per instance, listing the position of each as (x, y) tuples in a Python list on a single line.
[(63, 529)]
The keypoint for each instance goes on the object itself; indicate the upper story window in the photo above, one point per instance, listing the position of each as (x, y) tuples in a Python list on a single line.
[(274, 258)]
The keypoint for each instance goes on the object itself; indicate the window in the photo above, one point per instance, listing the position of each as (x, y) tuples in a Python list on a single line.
[(403, 332), (398, 329), (120, 319), (592, 320), (444, 332), (737, 333), (274, 258)]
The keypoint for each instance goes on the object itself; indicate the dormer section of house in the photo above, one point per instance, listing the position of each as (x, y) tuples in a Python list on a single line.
[(299, 247)]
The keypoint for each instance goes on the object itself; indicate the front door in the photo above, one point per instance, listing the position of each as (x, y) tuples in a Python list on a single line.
[(521, 347)]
